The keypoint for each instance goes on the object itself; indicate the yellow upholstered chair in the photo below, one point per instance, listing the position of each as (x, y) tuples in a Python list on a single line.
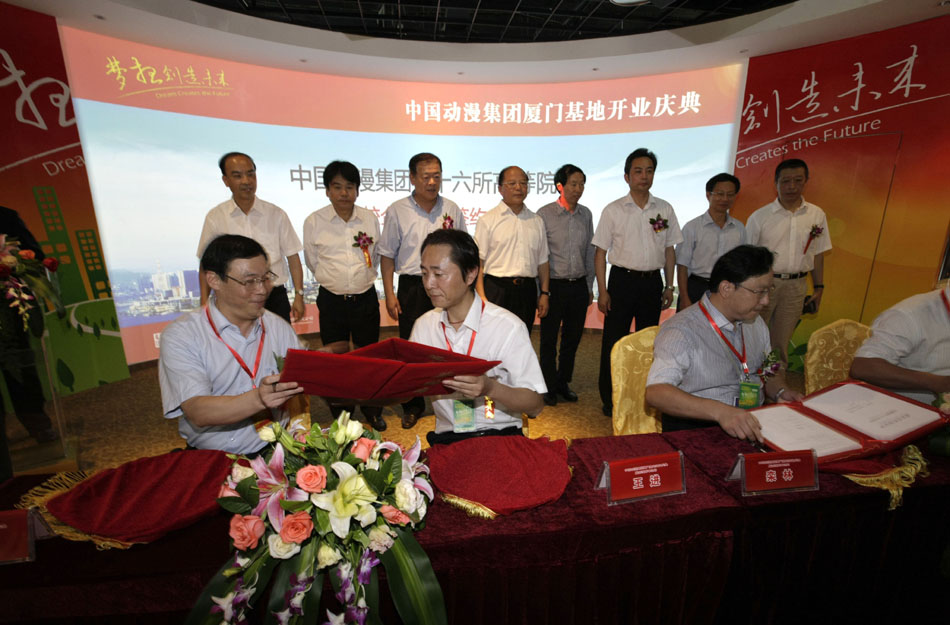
[(630, 361), (298, 408), (830, 353)]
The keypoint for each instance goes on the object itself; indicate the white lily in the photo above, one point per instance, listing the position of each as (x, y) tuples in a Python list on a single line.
[(351, 497)]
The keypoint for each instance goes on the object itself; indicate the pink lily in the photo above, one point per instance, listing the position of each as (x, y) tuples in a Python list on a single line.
[(274, 486), (412, 466)]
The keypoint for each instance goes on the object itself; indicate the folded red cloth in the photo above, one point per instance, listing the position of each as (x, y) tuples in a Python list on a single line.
[(502, 473), (142, 500)]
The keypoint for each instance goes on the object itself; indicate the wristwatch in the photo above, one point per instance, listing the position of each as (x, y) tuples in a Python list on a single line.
[(548, 293), (298, 292)]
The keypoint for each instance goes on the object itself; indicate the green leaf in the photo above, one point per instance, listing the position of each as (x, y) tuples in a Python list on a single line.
[(302, 566), (375, 480), (294, 506), (247, 489), (392, 466), (322, 520), (372, 599), (219, 586), (412, 582), (236, 505)]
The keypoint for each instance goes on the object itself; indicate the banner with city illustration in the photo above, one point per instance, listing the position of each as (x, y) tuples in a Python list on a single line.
[(869, 116), (43, 178)]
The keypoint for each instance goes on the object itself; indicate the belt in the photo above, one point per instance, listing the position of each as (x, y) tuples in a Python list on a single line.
[(693, 276), (637, 272), (790, 276), (516, 281), (348, 297), (582, 278)]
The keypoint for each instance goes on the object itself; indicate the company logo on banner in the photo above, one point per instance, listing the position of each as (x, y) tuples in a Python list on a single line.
[(868, 115), (165, 81), (43, 178)]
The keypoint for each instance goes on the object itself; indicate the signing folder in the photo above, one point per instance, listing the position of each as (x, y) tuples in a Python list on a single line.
[(846, 421), (391, 369)]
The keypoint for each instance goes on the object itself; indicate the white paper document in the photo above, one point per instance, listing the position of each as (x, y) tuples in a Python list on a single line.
[(871, 412), (791, 430)]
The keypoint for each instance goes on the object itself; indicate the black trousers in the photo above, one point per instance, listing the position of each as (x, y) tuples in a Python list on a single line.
[(414, 302), (519, 295), (566, 313), (633, 295), (278, 303), (696, 287), (349, 317)]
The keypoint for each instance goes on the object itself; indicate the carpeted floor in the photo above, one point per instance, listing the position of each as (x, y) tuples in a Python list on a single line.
[(122, 421)]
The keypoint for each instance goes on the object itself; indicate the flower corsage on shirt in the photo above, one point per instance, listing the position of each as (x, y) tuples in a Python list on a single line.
[(363, 241), (658, 223), (813, 234)]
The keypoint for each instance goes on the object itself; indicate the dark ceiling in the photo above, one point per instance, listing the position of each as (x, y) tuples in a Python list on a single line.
[(494, 21)]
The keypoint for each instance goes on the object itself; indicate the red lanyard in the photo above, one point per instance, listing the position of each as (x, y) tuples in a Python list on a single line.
[(946, 303), (471, 343), (237, 357), (741, 357)]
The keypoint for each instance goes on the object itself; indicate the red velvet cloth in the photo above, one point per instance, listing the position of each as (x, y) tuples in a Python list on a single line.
[(503, 473), (145, 499)]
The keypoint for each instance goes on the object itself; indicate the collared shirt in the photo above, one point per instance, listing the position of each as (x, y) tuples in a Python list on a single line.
[(570, 252), (626, 234), (786, 233), (690, 355), (913, 334), (193, 362), (704, 242), (500, 335), (265, 223), (407, 225), (511, 245), (330, 253)]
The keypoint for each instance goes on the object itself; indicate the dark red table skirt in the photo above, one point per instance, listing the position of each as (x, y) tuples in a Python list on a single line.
[(707, 556)]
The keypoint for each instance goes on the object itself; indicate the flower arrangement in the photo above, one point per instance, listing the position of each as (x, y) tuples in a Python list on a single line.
[(770, 366), (659, 224), (813, 234), (23, 278), (363, 241), (338, 499), (447, 222), (942, 403)]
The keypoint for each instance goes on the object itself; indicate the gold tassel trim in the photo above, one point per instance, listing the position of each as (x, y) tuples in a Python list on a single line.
[(896, 479), (472, 508), (61, 483)]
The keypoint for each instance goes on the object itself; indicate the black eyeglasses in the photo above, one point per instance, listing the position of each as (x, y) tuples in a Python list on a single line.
[(268, 278), (758, 292)]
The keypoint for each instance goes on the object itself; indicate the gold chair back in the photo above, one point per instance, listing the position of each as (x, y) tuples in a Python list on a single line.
[(630, 361), (830, 353)]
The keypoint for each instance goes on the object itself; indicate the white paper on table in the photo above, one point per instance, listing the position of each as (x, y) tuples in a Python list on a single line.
[(871, 412), (791, 430)]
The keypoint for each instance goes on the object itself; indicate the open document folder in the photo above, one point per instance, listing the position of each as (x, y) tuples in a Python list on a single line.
[(391, 369), (846, 421)]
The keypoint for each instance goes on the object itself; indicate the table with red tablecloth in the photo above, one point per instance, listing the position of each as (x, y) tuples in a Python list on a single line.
[(708, 556)]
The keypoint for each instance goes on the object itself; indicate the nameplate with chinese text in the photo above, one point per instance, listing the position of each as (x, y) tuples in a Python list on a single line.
[(645, 477), (783, 471)]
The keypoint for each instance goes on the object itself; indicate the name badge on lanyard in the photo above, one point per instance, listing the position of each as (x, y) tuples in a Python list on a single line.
[(463, 410), (748, 390)]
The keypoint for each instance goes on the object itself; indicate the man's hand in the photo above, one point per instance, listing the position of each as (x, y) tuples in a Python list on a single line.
[(273, 393), (667, 299), (393, 307), (816, 298), (788, 396), (471, 386), (739, 423), (543, 304), (298, 309), (603, 302)]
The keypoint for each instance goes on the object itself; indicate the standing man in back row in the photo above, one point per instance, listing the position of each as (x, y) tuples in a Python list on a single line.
[(639, 232), (408, 222), (569, 227), (797, 233), (250, 216)]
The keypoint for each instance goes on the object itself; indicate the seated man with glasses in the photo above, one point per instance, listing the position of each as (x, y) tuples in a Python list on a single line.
[(706, 238), (513, 250), (707, 358), (218, 368)]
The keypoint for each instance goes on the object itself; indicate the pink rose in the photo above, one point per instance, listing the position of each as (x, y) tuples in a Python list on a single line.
[(394, 515), (227, 491), (296, 527), (246, 531), (362, 448), (312, 478), (51, 263)]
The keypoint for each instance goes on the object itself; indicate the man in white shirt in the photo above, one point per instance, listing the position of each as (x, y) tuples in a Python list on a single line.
[(340, 247), (408, 221), (514, 251), (797, 233), (217, 369), (706, 238), (638, 231), (909, 347), (248, 215), (462, 322)]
